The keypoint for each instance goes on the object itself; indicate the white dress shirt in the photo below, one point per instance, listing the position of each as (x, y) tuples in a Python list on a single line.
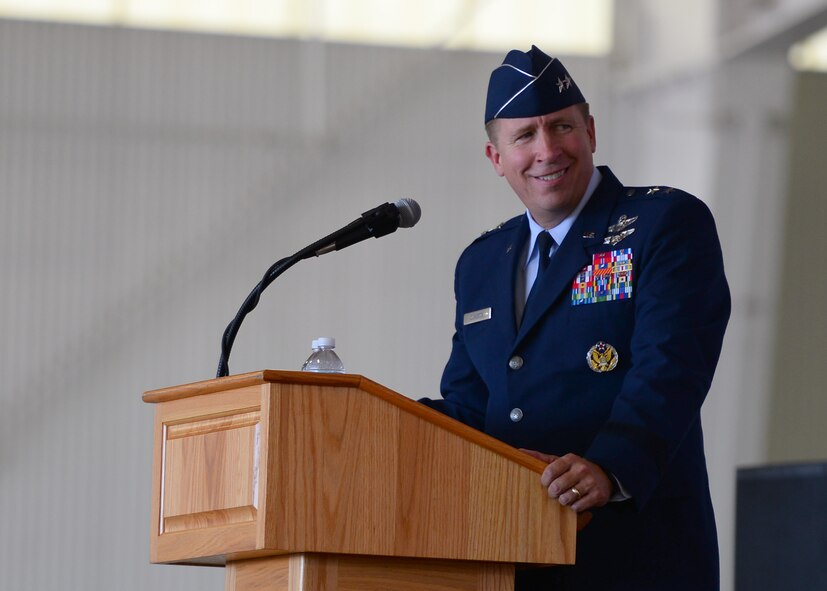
[(527, 272)]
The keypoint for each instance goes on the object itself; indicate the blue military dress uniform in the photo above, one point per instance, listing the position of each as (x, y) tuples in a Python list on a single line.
[(612, 360)]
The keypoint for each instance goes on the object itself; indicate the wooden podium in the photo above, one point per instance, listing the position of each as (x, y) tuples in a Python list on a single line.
[(323, 482)]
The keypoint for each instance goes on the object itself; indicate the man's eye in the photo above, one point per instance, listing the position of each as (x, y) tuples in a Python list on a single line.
[(563, 127)]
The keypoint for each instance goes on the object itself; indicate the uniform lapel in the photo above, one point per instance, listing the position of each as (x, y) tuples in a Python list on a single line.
[(503, 289), (588, 231)]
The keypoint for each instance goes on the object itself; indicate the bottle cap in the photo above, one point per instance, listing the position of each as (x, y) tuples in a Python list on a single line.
[(325, 342)]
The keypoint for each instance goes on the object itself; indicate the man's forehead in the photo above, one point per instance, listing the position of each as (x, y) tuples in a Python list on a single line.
[(567, 114)]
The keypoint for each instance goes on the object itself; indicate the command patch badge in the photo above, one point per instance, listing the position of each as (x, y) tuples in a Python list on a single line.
[(602, 357), (608, 278)]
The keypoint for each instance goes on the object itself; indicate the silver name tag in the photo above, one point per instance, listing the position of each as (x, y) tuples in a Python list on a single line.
[(478, 316)]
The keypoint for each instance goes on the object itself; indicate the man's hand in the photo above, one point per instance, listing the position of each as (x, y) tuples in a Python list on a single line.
[(566, 476)]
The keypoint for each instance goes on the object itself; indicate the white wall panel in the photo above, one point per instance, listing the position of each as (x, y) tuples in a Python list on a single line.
[(147, 180)]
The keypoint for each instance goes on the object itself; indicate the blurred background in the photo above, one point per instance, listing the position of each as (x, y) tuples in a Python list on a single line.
[(157, 156)]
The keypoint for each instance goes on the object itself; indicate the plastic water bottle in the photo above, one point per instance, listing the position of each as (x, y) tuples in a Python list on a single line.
[(323, 359)]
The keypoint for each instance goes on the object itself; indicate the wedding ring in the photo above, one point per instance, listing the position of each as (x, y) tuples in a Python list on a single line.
[(576, 492)]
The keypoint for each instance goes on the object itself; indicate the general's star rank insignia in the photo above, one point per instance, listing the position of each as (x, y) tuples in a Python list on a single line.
[(602, 357), (497, 227)]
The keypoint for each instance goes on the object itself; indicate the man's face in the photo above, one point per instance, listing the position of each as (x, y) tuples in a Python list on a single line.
[(547, 160)]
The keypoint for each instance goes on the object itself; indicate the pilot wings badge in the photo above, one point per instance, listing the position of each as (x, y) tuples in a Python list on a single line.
[(615, 238), (620, 229), (621, 224)]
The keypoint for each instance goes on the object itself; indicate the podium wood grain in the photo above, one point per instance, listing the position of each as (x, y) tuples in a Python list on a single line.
[(332, 572), (274, 463)]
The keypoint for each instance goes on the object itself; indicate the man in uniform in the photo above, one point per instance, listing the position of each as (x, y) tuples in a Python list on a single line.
[(588, 331)]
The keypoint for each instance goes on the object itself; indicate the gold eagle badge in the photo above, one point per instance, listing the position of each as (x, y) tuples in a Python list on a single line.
[(602, 357)]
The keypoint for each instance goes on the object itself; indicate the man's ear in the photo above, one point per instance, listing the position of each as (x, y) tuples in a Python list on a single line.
[(592, 134), (493, 155)]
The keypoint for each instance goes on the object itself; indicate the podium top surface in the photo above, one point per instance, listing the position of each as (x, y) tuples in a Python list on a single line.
[(347, 381), (255, 378)]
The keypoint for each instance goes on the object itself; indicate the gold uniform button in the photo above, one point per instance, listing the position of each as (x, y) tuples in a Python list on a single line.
[(516, 415), (515, 362)]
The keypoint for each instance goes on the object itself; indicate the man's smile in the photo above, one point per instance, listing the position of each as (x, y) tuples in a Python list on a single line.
[(553, 176)]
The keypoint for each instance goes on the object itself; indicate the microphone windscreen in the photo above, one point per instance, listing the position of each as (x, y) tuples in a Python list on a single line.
[(409, 212)]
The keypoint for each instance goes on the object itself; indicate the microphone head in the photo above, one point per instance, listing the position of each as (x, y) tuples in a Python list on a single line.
[(409, 212)]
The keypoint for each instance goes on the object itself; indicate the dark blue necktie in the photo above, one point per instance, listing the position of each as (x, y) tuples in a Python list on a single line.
[(544, 244)]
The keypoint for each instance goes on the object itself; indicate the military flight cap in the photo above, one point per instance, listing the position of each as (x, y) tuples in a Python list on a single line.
[(529, 84)]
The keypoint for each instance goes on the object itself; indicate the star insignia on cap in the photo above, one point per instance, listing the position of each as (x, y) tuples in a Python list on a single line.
[(668, 189), (652, 190), (563, 83)]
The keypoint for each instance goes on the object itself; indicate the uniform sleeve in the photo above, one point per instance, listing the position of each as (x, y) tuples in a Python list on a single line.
[(682, 306)]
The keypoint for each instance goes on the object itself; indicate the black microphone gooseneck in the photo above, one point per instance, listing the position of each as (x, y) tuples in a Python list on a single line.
[(379, 221)]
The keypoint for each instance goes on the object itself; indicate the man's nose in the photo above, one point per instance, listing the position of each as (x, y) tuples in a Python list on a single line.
[(548, 148)]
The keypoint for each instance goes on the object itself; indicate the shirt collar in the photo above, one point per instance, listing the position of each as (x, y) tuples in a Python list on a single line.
[(559, 231)]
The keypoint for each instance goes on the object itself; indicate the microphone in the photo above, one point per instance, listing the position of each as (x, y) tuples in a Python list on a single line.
[(377, 222)]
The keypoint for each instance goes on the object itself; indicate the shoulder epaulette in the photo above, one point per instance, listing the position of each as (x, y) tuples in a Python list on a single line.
[(495, 228), (504, 225)]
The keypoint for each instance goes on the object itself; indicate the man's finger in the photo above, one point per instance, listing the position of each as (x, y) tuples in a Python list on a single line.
[(548, 458)]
